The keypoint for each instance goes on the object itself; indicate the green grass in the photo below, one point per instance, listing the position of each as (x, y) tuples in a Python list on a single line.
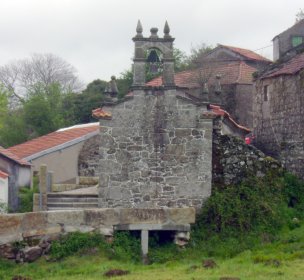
[(281, 259)]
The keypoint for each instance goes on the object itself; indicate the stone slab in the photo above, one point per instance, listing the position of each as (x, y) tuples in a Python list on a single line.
[(68, 217)]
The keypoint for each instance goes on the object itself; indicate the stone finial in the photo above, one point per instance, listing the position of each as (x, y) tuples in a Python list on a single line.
[(111, 88), (218, 88), (154, 31), (167, 30), (205, 88), (139, 29)]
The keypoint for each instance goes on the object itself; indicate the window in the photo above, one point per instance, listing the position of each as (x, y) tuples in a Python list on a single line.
[(265, 93), (296, 40)]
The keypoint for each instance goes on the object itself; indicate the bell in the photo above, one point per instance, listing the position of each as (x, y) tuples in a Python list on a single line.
[(153, 57), (153, 68)]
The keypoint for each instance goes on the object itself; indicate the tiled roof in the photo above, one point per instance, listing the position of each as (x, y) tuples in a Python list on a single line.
[(248, 54), (3, 175), (53, 139), (290, 67), (99, 113), (12, 156), (221, 112), (231, 73)]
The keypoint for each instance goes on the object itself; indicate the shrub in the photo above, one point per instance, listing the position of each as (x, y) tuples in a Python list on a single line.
[(236, 218), (126, 246), (74, 242)]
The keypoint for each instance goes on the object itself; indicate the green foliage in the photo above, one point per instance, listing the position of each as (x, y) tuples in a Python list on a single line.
[(74, 242), (237, 218), (126, 246), (26, 198), (124, 82)]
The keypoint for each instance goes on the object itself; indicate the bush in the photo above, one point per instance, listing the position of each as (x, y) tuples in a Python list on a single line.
[(26, 196), (126, 246), (26, 199), (236, 218), (74, 242)]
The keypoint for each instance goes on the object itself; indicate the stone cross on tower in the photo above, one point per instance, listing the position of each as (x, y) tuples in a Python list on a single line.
[(143, 45)]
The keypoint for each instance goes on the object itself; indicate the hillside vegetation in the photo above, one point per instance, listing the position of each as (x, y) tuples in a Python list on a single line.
[(250, 231)]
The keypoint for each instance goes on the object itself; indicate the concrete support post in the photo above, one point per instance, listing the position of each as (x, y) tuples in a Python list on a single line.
[(50, 178), (43, 187), (144, 246)]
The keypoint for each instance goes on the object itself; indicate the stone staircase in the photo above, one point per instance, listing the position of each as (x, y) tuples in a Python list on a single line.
[(74, 196), (60, 201)]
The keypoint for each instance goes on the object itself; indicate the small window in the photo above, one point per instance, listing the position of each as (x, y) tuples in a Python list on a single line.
[(265, 93), (296, 40)]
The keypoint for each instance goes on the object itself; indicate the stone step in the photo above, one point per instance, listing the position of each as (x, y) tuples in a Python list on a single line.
[(91, 181), (69, 187), (73, 205), (72, 199), (71, 195)]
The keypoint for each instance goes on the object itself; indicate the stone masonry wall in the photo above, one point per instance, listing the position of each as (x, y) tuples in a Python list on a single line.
[(49, 225), (155, 152), (279, 122), (88, 159), (233, 160)]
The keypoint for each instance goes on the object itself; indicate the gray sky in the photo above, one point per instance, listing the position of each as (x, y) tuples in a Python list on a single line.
[(95, 35)]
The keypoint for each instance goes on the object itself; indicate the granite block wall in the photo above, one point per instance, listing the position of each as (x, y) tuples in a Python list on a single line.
[(155, 152)]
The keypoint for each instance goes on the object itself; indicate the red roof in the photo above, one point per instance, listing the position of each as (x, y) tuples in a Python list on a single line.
[(53, 139), (221, 112), (246, 53), (231, 73), (12, 156), (290, 67), (3, 175), (99, 113)]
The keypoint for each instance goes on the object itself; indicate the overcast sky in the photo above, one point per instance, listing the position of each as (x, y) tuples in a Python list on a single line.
[(95, 35)]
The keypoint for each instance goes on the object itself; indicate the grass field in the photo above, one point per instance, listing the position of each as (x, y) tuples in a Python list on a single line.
[(282, 259)]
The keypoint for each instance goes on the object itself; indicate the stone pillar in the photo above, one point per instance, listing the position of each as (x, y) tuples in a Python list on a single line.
[(168, 73), (43, 187), (144, 246)]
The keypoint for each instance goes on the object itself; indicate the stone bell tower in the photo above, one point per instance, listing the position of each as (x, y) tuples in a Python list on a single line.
[(156, 142), (143, 45)]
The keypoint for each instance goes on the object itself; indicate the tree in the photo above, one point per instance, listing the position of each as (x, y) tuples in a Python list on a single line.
[(300, 15), (197, 55), (19, 77)]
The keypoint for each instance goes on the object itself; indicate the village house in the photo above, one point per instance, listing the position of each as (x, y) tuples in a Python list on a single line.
[(279, 99), (15, 173), (285, 42), (224, 77), (59, 150)]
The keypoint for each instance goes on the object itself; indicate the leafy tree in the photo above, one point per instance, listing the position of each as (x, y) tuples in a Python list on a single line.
[(300, 15), (21, 76), (181, 60), (197, 54)]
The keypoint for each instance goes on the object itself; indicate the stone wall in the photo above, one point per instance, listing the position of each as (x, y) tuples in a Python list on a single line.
[(155, 152), (233, 160), (88, 159), (49, 225), (279, 122)]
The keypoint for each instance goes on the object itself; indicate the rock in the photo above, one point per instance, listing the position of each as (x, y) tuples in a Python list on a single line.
[(116, 272), (209, 263), (31, 254), (19, 277), (7, 251), (229, 278)]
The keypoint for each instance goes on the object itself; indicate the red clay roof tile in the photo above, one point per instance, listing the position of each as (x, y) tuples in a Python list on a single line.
[(246, 53), (231, 73), (290, 67), (221, 112), (53, 139), (99, 113), (12, 156), (3, 175)]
